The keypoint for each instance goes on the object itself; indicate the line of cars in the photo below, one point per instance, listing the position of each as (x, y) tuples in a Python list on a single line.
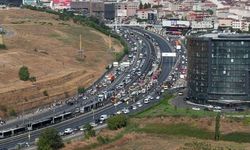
[(124, 95), (51, 120)]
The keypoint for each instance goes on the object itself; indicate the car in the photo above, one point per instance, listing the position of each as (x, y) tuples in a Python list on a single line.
[(117, 103), (150, 97), (2, 122), (134, 107), (217, 107), (68, 131), (210, 106), (216, 110), (139, 104), (180, 93), (125, 110), (103, 117), (93, 124), (157, 97), (22, 145), (118, 112), (196, 108), (77, 110), (146, 101)]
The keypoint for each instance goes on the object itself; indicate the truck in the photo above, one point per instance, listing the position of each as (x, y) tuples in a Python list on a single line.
[(100, 97), (125, 64)]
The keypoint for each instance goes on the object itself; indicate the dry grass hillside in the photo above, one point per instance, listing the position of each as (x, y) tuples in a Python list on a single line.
[(48, 47)]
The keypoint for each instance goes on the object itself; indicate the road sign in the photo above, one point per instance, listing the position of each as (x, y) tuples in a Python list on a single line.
[(168, 54)]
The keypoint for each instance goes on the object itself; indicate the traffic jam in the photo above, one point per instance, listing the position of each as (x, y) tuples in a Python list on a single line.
[(129, 85)]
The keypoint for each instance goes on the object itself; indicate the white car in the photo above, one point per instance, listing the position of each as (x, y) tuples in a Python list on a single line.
[(146, 101), (150, 97), (68, 131), (134, 107), (118, 103), (157, 97), (216, 110), (93, 124), (196, 108), (103, 117), (139, 104), (217, 107), (125, 110), (118, 112), (210, 106)]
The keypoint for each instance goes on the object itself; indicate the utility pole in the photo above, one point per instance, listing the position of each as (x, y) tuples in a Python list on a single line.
[(1, 39), (93, 110), (90, 7), (81, 51)]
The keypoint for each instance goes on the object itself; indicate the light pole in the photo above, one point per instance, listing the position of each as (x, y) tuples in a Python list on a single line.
[(93, 111)]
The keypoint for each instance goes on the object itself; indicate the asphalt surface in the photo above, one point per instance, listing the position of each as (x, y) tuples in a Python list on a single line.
[(166, 66)]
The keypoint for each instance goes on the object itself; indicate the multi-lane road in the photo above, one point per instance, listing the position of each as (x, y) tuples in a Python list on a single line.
[(138, 70)]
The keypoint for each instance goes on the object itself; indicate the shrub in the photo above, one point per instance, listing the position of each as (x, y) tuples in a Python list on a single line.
[(81, 90), (2, 46), (117, 122), (13, 113), (50, 140), (89, 131), (103, 140), (45, 93), (24, 73)]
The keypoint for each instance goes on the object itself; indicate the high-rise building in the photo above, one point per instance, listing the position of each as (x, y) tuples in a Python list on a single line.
[(219, 68)]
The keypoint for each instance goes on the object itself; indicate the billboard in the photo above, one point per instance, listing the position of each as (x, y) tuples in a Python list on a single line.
[(175, 23), (121, 13), (168, 54), (62, 2)]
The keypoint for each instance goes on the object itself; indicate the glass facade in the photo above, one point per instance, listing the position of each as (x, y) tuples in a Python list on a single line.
[(218, 68)]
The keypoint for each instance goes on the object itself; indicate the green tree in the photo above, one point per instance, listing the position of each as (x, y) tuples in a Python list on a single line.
[(50, 140), (24, 73), (145, 6), (89, 131), (81, 90), (217, 128), (149, 5), (140, 5), (117, 122), (210, 11)]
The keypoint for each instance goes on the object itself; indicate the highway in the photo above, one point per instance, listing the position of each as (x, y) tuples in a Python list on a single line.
[(147, 49)]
